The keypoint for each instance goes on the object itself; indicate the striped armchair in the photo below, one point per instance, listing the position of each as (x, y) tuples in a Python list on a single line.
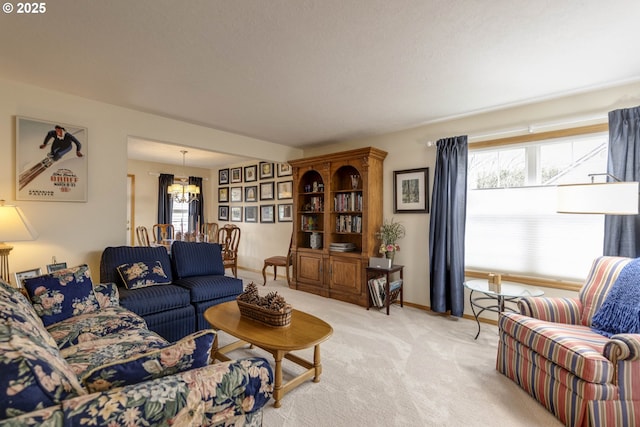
[(582, 377)]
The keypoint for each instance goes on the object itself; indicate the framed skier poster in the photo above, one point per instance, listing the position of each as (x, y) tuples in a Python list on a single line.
[(51, 161)]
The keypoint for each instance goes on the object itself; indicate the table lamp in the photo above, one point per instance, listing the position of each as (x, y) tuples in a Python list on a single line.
[(14, 227)]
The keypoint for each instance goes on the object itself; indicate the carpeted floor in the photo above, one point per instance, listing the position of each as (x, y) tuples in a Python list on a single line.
[(411, 368)]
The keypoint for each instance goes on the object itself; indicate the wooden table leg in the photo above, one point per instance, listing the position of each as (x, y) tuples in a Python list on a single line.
[(317, 365), (277, 391)]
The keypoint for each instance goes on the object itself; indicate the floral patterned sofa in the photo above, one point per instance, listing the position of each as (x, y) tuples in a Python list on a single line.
[(580, 357), (73, 356)]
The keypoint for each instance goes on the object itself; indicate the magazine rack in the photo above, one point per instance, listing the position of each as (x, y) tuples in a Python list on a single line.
[(381, 291)]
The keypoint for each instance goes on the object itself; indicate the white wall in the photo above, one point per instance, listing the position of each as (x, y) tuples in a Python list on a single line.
[(78, 232)]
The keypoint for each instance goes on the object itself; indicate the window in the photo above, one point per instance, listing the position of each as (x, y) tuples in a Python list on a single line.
[(512, 226), (180, 216)]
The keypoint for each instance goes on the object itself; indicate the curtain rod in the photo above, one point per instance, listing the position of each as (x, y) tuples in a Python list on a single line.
[(532, 128)]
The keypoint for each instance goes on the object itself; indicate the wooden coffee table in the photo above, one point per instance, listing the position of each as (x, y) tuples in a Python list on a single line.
[(304, 331)]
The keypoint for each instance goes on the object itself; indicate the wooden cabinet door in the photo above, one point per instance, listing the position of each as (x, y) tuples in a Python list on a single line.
[(309, 268), (345, 275)]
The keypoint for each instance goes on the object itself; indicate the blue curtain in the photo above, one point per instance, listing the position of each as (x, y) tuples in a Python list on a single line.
[(622, 232), (196, 209), (165, 205), (446, 229)]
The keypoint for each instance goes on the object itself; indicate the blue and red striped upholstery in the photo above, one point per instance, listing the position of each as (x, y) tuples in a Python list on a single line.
[(582, 377)]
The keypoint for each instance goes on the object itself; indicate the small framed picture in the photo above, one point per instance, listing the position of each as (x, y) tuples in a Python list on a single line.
[(223, 176), (250, 173), (266, 190), (284, 169), (20, 276), (285, 190), (266, 213), (266, 170), (55, 267), (251, 214), (236, 194), (223, 213), (411, 191), (285, 212), (236, 213), (236, 175), (223, 194), (251, 193)]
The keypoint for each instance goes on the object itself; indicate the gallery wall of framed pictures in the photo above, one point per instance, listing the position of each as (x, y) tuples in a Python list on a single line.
[(259, 192)]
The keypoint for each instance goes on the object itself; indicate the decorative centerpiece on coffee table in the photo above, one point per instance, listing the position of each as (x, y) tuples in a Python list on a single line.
[(272, 309)]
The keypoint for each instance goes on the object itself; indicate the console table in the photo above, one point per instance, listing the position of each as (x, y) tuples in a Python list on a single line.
[(373, 272)]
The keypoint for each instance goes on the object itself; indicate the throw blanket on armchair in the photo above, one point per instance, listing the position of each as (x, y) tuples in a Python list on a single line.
[(620, 311)]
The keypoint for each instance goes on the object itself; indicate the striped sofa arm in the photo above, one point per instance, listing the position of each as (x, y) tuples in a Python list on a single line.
[(623, 350), (552, 309)]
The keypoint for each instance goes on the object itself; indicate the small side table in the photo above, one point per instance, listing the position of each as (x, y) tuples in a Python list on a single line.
[(373, 272), (509, 291)]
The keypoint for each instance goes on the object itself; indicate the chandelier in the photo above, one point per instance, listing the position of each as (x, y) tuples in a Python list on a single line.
[(182, 191)]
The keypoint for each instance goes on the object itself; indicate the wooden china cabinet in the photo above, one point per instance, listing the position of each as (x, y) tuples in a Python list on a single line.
[(337, 202)]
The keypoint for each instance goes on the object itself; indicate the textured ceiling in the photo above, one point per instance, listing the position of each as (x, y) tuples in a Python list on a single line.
[(299, 72)]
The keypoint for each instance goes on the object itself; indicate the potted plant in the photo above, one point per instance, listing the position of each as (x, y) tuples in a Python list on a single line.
[(389, 234)]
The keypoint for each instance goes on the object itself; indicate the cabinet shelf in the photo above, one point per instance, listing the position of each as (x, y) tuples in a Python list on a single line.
[(340, 214)]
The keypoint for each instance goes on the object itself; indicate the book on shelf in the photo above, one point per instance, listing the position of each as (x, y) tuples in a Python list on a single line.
[(349, 224), (345, 202)]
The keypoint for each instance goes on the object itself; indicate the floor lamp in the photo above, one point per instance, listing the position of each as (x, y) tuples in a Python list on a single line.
[(14, 227), (610, 198)]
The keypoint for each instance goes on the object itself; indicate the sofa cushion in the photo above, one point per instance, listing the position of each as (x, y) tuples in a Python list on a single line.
[(189, 353), (143, 273), (114, 256), (90, 326), (34, 375), (190, 259), (62, 294), (576, 348), (107, 294), (154, 299), (87, 355), (205, 288)]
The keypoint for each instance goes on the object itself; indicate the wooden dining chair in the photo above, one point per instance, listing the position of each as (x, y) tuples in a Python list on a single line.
[(229, 239), (163, 232), (210, 230), (278, 261), (142, 235)]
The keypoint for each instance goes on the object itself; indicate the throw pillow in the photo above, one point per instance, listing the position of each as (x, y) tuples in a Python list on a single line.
[(190, 352), (62, 294), (140, 274), (34, 374)]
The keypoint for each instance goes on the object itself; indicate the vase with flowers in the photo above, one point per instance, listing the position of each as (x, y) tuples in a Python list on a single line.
[(389, 234)]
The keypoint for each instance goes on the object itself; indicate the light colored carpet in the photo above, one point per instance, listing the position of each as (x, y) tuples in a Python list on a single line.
[(411, 368)]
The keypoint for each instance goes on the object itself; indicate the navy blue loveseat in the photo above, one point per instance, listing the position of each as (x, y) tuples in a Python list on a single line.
[(195, 282)]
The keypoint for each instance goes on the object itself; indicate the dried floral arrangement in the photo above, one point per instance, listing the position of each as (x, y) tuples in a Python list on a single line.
[(272, 301)]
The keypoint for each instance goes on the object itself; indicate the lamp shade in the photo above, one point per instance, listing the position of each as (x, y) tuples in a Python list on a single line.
[(611, 198), (14, 226)]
